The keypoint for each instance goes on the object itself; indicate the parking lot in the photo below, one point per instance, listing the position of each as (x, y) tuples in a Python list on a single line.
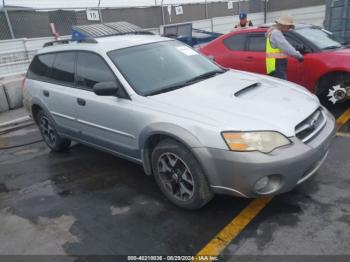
[(85, 202)]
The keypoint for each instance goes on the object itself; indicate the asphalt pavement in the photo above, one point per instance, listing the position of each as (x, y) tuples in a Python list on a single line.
[(85, 202)]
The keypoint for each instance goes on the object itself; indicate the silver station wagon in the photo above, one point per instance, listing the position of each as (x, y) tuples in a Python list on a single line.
[(198, 128)]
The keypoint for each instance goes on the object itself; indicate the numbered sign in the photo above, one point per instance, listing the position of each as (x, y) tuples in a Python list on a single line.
[(230, 4), (179, 10), (92, 15)]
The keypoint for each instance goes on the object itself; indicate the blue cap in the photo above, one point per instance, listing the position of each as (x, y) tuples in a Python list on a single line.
[(242, 16)]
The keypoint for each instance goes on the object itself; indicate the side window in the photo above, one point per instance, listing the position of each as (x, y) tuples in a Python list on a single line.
[(63, 68), (257, 43), (295, 43), (40, 68), (92, 69), (235, 42)]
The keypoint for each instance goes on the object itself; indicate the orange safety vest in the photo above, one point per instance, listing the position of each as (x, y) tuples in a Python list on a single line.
[(245, 26)]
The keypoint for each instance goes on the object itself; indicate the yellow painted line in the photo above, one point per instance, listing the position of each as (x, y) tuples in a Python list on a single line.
[(226, 235), (232, 230), (343, 119)]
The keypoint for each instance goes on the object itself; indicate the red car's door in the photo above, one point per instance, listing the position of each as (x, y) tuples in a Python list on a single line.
[(296, 70), (254, 59), (232, 53)]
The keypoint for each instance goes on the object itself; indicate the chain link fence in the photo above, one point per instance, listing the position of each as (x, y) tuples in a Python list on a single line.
[(29, 22), (31, 27)]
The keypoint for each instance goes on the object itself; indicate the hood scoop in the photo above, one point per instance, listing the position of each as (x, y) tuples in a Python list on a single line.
[(247, 89)]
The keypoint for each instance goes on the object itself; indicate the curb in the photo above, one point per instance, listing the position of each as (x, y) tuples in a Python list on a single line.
[(15, 122)]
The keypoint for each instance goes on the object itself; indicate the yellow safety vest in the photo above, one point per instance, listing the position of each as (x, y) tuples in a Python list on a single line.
[(271, 55)]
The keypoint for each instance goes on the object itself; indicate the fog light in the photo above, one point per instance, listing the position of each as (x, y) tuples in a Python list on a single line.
[(261, 183)]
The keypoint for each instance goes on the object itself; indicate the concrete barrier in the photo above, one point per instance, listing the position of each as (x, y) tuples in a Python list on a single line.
[(10, 93), (14, 93), (4, 106)]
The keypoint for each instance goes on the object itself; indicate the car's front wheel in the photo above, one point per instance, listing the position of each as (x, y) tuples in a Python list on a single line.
[(334, 89), (179, 175), (49, 133)]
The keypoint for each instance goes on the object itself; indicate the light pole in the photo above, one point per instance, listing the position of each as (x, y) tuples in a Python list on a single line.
[(8, 19), (99, 11), (163, 16)]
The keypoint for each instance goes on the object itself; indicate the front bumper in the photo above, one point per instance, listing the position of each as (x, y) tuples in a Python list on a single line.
[(236, 173)]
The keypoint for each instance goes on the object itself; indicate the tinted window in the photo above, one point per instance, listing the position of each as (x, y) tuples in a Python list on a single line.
[(257, 43), (92, 69), (40, 68), (235, 42), (63, 68)]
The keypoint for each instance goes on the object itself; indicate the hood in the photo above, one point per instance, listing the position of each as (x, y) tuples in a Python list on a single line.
[(240, 101)]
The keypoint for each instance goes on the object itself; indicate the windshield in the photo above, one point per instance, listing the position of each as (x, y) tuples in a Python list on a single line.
[(162, 66), (321, 38)]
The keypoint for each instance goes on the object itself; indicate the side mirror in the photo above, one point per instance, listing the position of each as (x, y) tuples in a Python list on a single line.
[(106, 89)]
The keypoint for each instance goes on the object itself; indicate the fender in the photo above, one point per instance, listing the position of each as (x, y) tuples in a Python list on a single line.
[(176, 132)]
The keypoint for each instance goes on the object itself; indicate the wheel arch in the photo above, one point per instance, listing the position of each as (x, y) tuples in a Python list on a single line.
[(152, 135), (329, 76)]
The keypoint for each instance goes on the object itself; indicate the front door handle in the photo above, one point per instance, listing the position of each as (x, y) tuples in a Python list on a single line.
[(46, 93), (249, 59), (81, 102)]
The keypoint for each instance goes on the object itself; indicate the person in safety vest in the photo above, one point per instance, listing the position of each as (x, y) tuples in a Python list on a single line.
[(243, 21), (278, 48)]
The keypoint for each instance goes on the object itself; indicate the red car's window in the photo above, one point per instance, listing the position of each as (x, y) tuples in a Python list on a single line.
[(257, 43), (235, 42)]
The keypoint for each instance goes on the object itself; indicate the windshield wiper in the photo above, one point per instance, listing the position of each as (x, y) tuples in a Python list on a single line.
[(166, 89), (187, 82), (205, 76)]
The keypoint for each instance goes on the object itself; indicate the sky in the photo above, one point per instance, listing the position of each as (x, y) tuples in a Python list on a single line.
[(94, 3)]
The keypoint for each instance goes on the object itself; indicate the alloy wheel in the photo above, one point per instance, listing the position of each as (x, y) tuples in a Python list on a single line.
[(47, 131), (176, 176)]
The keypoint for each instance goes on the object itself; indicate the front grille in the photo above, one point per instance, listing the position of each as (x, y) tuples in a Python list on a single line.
[(307, 129)]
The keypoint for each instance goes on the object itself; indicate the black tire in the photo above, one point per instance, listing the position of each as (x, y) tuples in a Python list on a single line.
[(49, 133), (326, 84), (176, 183)]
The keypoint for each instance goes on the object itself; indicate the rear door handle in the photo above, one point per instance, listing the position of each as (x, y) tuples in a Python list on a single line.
[(81, 102), (249, 59), (46, 93)]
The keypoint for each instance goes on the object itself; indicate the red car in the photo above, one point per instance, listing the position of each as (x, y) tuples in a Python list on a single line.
[(325, 71)]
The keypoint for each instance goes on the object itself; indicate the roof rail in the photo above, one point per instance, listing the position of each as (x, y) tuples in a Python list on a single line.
[(68, 41)]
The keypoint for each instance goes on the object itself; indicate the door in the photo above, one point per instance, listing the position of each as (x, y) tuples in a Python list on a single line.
[(296, 70), (104, 121), (56, 88), (233, 54), (254, 59)]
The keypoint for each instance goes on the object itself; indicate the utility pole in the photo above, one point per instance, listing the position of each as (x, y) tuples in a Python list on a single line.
[(265, 11), (8, 19)]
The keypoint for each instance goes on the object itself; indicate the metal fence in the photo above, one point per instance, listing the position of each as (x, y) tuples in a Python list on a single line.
[(31, 27), (19, 22)]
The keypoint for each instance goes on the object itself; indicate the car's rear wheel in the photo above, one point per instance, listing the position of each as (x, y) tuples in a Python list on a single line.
[(179, 175), (50, 135)]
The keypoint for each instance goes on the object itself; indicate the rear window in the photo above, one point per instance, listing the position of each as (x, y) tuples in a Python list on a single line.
[(235, 42), (257, 43), (40, 68)]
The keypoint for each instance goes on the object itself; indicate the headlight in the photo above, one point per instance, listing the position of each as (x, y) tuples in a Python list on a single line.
[(264, 141)]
